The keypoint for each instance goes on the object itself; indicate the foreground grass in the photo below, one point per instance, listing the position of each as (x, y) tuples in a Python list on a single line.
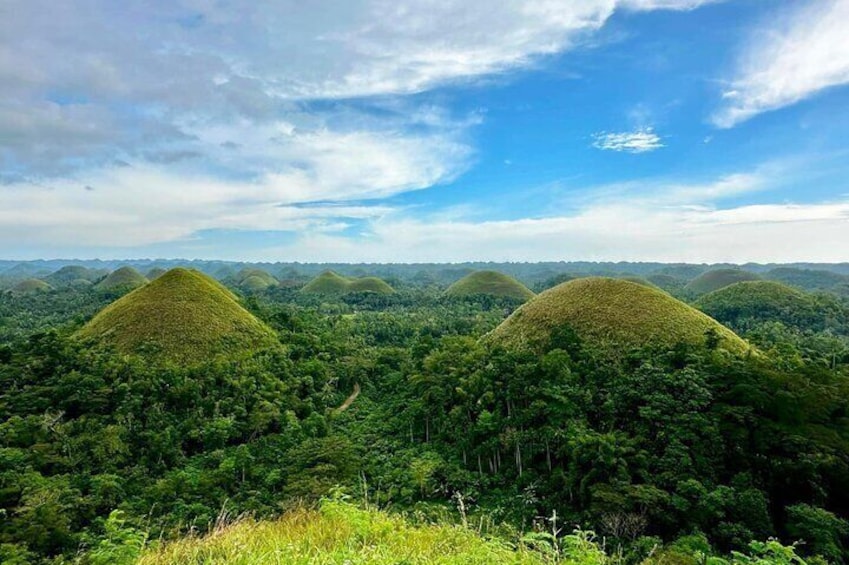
[(340, 533)]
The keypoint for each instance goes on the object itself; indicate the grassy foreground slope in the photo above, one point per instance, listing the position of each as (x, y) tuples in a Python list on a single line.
[(342, 533), (719, 278), (182, 316), (492, 283), (613, 314)]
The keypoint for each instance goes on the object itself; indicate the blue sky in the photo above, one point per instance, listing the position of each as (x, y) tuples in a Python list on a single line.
[(436, 130)]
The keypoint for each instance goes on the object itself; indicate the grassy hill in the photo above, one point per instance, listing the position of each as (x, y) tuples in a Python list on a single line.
[(742, 304), (612, 314), (255, 280), (718, 278), (72, 274), (492, 283), (124, 279), (182, 316), (30, 286), (331, 283), (327, 282), (342, 533), (370, 284)]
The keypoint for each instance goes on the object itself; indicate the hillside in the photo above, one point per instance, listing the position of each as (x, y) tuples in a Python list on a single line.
[(492, 283), (124, 279), (30, 286), (745, 303), (718, 278), (668, 283), (342, 533), (155, 273), (331, 283), (639, 280), (612, 314), (182, 316)]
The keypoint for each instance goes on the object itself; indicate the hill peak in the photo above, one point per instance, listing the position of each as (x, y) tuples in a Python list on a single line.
[(612, 314), (492, 283), (183, 316)]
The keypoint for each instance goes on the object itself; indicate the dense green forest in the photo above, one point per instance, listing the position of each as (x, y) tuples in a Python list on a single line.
[(402, 410)]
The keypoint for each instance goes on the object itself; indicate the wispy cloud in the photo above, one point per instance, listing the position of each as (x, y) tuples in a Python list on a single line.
[(665, 221), (638, 141), (666, 4), (795, 57)]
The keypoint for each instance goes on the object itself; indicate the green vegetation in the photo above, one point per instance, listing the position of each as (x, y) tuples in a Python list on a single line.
[(330, 283), (614, 313), (718, 278), (746, 304), (121, 281), (491, 283), (669, 283), (625, 418), (340, 532), (183, 316), (808, 279), (343, 533), (30, 286)]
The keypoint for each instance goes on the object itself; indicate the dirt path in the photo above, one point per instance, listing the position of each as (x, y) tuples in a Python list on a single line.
[(348, 401)]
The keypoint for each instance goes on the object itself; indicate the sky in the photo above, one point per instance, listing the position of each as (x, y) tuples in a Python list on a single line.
[(426, 131)]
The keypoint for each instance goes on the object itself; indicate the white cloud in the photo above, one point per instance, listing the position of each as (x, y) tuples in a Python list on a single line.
[(797, 56), (608, 232), (650, 221), (645, 5), (638, 141), (81, 79)]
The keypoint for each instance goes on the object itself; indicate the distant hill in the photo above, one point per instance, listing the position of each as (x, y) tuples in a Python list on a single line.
[(492, 283), (743, 304), (30, 286), (124, 279), (613, 315), (808, 279), (255, 280), (155, 273), (73, 274), (183, 316), (370, 284), (718, 278), (669, 283), (331, 283)]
